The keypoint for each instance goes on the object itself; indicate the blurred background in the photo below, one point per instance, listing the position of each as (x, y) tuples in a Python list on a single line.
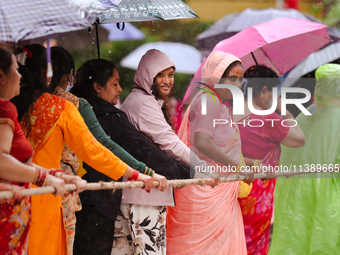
[(184, 31)]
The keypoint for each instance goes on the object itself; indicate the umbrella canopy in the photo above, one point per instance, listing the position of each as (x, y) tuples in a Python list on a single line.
[(236, 22), (313, 62), (186, 58), (130, 32), (115, 11), (147, 10), (279, 44), (24, 20), (85, 37), (92, 9)]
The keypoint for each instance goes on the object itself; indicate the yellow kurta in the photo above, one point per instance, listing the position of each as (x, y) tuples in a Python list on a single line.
[(47, 233)]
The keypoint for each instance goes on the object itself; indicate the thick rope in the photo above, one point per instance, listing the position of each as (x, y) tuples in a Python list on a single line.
[(139, 184)]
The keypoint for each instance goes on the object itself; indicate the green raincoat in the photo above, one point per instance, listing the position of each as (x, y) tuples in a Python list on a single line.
[(307, 208)]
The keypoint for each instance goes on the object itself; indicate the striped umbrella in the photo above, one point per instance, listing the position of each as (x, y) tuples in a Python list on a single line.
[(28, 19)]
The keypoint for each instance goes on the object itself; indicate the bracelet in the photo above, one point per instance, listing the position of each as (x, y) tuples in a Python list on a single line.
[(40, 177), (149, 171), (53, 172), (238, 168), (257, 162), (134, 176)]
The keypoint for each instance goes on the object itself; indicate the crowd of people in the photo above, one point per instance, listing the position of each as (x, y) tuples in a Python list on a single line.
[(66, 129)]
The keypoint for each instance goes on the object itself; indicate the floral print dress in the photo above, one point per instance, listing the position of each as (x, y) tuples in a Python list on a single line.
[(146, 234), (262, 143)]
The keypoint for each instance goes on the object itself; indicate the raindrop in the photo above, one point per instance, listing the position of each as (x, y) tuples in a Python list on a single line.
[(90, 77)]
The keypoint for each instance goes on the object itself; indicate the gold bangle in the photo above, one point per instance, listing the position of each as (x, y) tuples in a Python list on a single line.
[(257, 162), (36, 175), (238, 168)]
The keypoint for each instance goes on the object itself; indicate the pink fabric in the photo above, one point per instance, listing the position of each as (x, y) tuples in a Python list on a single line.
[(145, 113), (260, 143), (208, 220), (279, 44), (152, 62)]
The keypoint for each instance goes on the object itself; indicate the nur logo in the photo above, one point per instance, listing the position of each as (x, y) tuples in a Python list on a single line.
[(238, 99)]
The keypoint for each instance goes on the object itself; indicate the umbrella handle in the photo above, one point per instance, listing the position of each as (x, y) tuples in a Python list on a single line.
[(97, 37), (118, 26), (254, 58)]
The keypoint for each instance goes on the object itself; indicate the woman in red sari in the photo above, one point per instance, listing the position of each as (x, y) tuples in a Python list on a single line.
[(15, 152), (263, 144)]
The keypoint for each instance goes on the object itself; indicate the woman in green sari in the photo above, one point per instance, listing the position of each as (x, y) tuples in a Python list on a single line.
[(307, 207)]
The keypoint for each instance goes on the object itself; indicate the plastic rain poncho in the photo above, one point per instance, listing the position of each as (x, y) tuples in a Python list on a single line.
[(307, 207)]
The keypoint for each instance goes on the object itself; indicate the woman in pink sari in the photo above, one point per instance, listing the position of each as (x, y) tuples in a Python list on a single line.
[(209, 220), (262, 142)]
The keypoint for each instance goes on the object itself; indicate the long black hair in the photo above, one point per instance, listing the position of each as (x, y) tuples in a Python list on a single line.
[(94, 70), (62, 63), (166, 107), (260, 71), (33, 80), (5, 59)]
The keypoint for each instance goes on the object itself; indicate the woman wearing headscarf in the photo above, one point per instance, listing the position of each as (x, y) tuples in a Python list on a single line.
[(206, 220), (48, 122), (307, 207), (147, 108), (16, 172), (261, 142)]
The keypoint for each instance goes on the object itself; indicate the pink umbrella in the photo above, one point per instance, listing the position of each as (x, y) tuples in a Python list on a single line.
[(279, 44)]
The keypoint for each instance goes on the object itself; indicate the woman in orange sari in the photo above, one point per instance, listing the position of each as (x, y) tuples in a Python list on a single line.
[(209, 220), (15, 171), (48, 122)]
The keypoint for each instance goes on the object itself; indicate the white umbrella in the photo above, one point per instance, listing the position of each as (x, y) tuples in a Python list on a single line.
[(186, 58), (130, 32), (312, 62)]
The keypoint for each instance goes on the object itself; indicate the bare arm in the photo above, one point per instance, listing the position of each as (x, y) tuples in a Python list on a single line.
[(208, 147), (12, 169), (295, 137), (249, 161)]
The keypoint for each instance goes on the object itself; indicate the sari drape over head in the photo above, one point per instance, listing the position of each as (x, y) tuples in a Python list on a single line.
[(47, 223), (208, 220)]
